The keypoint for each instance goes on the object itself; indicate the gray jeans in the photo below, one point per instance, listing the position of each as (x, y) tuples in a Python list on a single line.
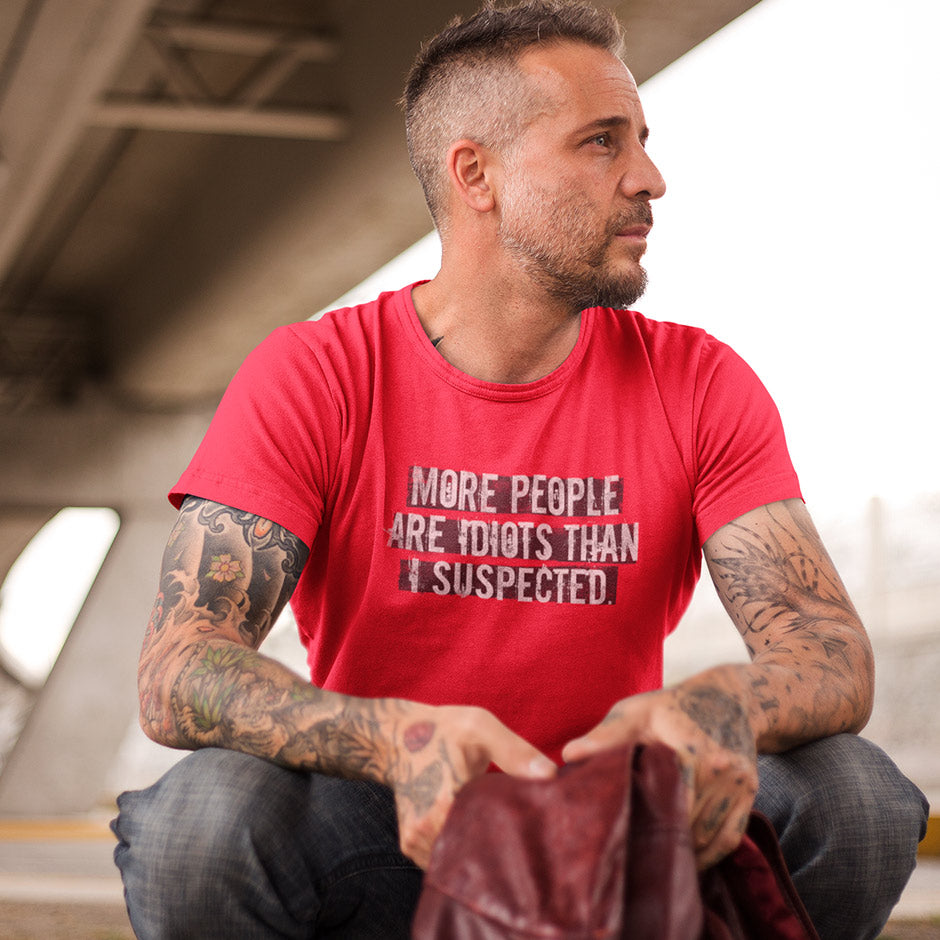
[(230, 846)]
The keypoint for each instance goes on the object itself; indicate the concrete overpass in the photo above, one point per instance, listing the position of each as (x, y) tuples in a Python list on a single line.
[(177, 178)]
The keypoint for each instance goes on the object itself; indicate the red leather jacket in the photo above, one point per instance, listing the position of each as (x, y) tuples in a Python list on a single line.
[(601, 851)]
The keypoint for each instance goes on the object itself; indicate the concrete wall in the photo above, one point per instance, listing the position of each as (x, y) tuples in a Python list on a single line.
[(94, 455)]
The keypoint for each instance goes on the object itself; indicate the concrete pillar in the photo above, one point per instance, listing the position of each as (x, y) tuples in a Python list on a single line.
[(94, 455), (63, 753), (17, 527)]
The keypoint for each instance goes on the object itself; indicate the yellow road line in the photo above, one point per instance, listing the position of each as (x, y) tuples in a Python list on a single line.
[(931, 842), (53, 830), (66, 830)]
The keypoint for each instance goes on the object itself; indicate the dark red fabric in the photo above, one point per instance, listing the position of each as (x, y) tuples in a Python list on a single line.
[(601, 852), (749, 894)]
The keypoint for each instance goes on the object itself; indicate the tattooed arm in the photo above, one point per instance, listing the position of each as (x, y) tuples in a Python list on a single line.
[(812, 669), (226, 576), (810, 675)]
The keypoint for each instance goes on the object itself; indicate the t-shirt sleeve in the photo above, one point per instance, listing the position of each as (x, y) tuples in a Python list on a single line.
[(271, 445), (741, 454)]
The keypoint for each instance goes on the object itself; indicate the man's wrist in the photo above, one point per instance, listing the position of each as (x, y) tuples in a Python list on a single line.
[(719, 703)]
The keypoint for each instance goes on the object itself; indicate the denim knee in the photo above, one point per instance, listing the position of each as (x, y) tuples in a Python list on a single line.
[(228, 845), (193, 849), (849, 822)]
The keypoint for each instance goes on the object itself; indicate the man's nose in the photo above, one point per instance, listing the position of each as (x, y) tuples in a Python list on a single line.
[(643, 179)]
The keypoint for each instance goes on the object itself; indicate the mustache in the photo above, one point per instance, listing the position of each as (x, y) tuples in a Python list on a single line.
[(640, 214)]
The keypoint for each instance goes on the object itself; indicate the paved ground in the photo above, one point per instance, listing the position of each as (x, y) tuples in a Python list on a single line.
[(68, 921), (909, 930), (61, 920)]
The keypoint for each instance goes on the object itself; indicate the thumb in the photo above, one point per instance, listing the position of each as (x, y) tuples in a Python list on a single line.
[(599, 739), (622, 723)]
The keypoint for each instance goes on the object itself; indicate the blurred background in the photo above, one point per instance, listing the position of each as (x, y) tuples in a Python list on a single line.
[(179, 177)]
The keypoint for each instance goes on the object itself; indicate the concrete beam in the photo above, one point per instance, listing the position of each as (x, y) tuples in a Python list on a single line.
[(220, 119), (68, 58), (18, 524), (245, 40), (658, 32), (95, 455)]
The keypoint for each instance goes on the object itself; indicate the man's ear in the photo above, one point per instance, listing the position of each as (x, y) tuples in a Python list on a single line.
[(470, 167)]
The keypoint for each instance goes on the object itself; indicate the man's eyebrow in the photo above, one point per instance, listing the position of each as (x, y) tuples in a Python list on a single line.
[(608, 123)]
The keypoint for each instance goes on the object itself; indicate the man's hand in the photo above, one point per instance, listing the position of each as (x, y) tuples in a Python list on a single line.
[(705, 724), (434, 751), (810, 675), (226, 576)]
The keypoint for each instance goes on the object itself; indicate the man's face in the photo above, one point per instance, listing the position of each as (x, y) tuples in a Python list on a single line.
[(575, 198)]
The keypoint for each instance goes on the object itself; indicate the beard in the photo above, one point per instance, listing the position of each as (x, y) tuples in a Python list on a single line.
[(557, 243)]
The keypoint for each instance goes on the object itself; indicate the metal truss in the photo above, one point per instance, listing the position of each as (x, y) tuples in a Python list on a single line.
[(189, 103)]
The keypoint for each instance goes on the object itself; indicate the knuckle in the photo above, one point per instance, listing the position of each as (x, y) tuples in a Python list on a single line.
[(407, 843), (467, 719), (413, 839)]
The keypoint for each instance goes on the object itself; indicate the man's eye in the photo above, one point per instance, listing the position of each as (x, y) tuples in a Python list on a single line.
[(602, 140)]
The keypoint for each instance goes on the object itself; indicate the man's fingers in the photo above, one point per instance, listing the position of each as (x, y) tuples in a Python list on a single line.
[(418, 834), (624, 723), (514, 755), (590, 744), (455, 744), (723, 844), (717, 827)]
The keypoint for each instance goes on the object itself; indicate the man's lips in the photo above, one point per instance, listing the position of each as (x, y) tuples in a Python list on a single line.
[(634, 231)]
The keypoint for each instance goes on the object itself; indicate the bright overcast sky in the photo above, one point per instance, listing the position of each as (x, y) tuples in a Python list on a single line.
[(802, 151)]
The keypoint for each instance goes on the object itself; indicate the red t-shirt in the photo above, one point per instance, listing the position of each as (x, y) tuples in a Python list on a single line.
[(526, 548)]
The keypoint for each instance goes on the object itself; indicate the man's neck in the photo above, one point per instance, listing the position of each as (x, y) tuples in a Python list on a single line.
[(494, 332)]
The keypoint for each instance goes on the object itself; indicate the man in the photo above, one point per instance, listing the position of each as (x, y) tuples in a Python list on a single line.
[(491, 492)]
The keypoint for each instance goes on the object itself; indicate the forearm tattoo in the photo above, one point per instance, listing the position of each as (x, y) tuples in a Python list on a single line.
[(226, 577), (781, 589), (766, 579)]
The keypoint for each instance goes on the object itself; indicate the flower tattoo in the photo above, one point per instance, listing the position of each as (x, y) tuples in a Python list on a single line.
[(224, 568)]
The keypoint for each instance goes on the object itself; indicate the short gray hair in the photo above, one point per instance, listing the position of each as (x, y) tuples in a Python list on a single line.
[(466, 82)]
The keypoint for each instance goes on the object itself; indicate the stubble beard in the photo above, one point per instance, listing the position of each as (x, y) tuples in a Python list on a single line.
[(556, 244)]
